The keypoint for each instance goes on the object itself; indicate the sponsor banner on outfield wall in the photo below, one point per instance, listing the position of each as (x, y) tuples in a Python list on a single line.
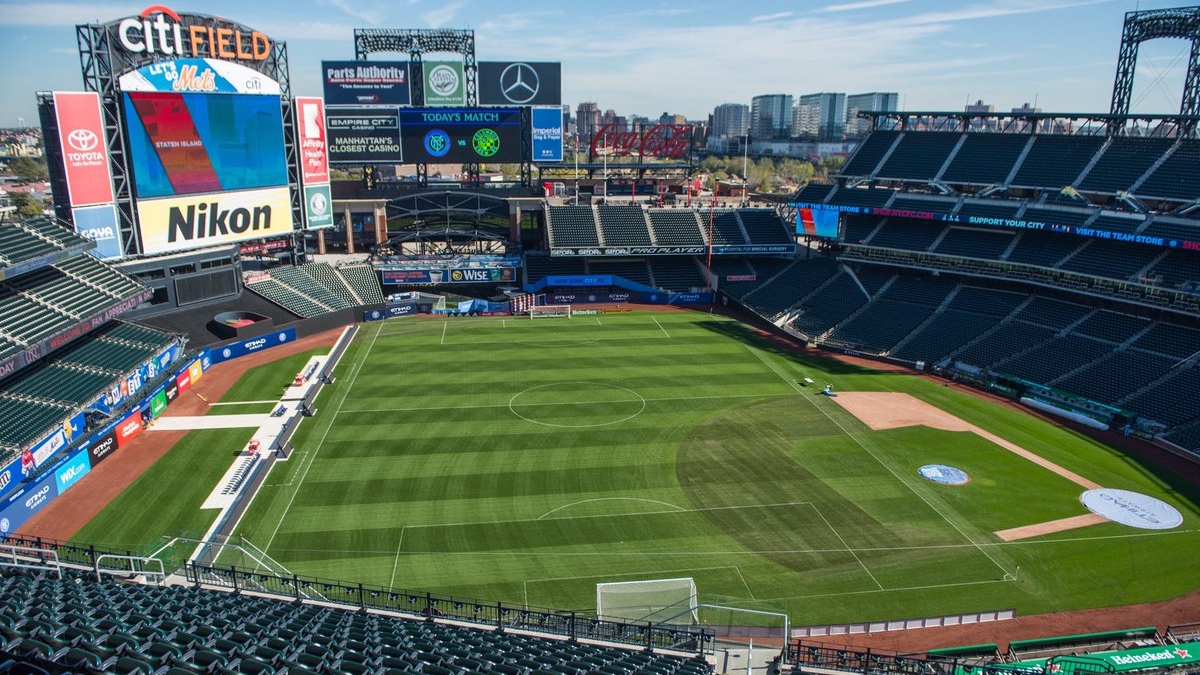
[(473, 275), (71, 471), (128, 428), (738, 249), (310, 134), (48, 448), (158, 403), (251, 345), (201, 76), (99, 223), (196, 369), (180, 223), (547, 132), (741, 277), (445, 83), (101, 447), (318, 206), (519, 83), (20, 506), (366, 82), (84, 147), (171, 391), (391, 312)]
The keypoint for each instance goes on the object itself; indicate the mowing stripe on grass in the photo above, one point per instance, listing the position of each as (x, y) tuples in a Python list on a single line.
[(313, 456), (551, 403), (858, 441)]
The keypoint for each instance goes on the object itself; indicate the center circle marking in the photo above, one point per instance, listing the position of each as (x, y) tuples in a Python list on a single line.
[(635, 397)]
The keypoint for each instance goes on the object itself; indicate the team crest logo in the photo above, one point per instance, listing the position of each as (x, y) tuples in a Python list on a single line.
[(437, 143), (486, 142)]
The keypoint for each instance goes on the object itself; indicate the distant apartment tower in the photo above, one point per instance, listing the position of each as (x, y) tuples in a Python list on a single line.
[(730, 120), (587, 119), (771, 117), (979, 108), (821, 116), (876, 100)]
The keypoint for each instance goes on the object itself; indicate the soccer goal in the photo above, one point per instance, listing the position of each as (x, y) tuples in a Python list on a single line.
[(549, 310), (669, 601)]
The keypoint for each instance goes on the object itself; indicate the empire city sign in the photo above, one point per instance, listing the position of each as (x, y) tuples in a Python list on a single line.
[(665, 141), (160, 31)]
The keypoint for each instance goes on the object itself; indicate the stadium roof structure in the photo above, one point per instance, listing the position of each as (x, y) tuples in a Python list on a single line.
[(1083, 123)]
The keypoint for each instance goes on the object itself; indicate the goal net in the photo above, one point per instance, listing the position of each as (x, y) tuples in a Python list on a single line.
[(550, 310), (670, 601)]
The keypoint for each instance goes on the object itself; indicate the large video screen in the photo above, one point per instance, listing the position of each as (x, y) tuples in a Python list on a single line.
[(186, 144), (461, 135)]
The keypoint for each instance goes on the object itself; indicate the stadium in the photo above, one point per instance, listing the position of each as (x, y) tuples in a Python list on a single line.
[(940, 415)]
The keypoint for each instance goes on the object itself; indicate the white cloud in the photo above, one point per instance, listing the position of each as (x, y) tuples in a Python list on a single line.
[(763, 18), (865, 4), (443, 14)]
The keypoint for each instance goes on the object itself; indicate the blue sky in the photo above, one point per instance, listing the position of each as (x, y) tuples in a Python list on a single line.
[(647, 57)]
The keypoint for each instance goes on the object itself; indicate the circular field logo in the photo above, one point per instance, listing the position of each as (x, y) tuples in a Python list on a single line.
[(944, 475), (1132, 508)]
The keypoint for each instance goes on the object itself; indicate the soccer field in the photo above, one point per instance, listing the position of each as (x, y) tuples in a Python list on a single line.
[(528, 460)]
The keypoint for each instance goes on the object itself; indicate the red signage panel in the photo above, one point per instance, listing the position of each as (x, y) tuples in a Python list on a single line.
[(310, 129), (84, 148), (128, 428)]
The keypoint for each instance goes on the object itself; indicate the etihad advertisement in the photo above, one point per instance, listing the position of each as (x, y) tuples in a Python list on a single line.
[(84, 149), (195, 221)]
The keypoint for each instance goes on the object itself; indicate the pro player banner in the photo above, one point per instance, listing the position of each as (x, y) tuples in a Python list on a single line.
[(84, 147), (519, 83)]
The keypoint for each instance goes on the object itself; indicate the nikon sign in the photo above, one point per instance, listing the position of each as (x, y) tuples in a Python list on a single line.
[(181, 223)]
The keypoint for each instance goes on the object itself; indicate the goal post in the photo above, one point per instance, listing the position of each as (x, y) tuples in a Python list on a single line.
[(549, 310), (667, 601)]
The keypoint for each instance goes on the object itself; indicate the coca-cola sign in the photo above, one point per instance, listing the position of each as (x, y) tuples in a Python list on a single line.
[(666, 141)]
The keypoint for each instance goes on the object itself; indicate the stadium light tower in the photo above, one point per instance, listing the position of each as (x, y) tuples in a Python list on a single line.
[(576, 153), (745, 165)]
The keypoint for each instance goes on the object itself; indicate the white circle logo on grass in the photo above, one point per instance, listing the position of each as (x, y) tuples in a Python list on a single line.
[(945, 475), (1132, 509)]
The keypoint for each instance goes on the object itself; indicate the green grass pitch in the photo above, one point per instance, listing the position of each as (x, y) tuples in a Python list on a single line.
[(527, 460)]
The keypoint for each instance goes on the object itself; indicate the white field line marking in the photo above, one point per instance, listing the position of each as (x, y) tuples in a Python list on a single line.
[(852, 553), (748, 591), (613, 515), (505, 405), (660, 327), (853, 436), (313, 457), (611, 499), (542, 580), (396, 562), (443, 340)]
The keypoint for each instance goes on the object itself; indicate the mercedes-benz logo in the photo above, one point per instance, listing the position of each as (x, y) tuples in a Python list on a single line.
[(83, 140), (519, 82)]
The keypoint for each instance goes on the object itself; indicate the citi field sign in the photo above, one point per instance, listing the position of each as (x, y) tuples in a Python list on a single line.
[(160, 31)]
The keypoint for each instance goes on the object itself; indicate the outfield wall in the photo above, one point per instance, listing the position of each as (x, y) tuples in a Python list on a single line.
[(903, 624)]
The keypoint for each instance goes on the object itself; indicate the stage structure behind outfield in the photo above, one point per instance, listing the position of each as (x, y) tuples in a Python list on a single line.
[(658, 601), (549, 310)]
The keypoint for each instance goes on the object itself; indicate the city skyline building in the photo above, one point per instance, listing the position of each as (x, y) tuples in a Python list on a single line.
[(771, 117)]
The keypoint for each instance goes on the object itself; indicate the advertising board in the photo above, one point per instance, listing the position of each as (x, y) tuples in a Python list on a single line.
[(365, 82), (449, 276), (84, 147), (23, 504), (519, 83), (101, 447), (318, 206), (99, 223), (445, 83), (75, 468), (181, 223), (547, 134), (310, 136), (161, 31), (201, 76), (817, 222), (363, 135), (128, 428), (461, 135), (250, 345), (391, 311)]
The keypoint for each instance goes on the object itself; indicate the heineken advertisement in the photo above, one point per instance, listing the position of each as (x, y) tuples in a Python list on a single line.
[(1144, 658)]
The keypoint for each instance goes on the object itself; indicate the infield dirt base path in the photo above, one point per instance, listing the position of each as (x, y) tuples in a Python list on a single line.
[(889, 410)]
